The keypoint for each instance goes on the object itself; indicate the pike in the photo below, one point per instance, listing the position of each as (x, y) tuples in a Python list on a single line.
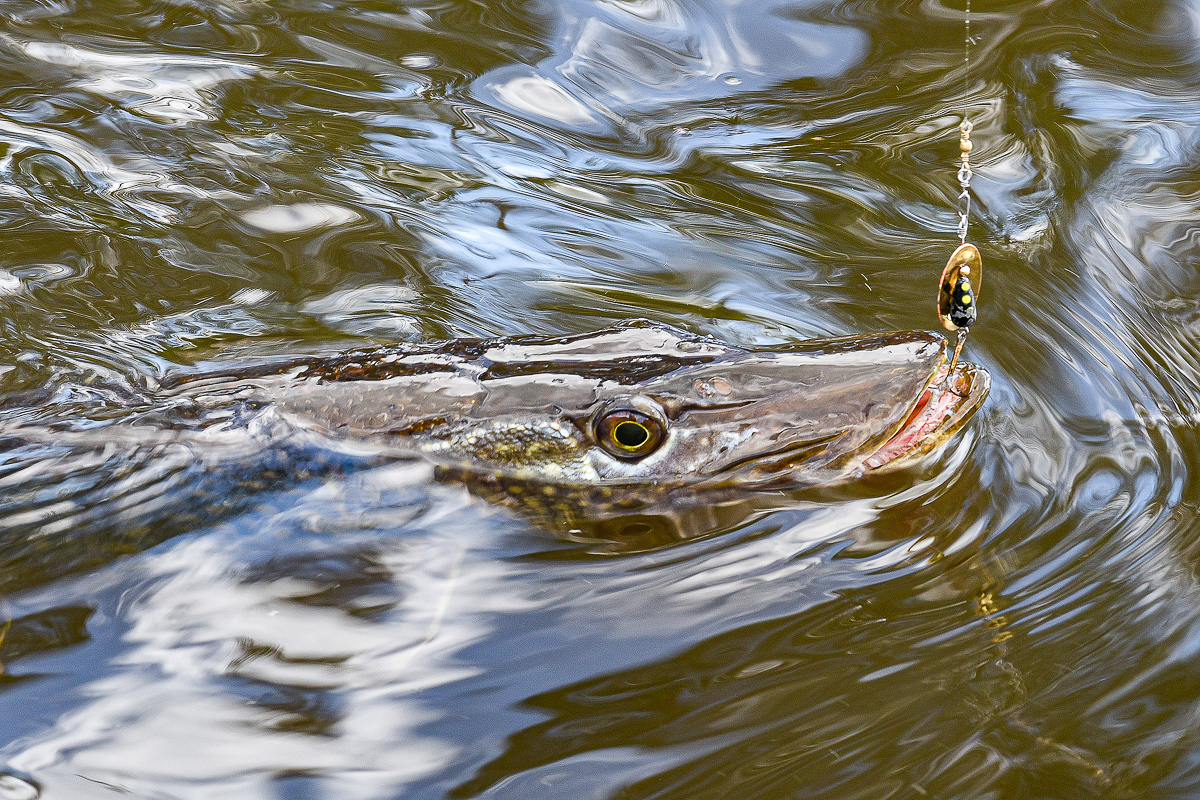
[(638, 419), (634, 405)]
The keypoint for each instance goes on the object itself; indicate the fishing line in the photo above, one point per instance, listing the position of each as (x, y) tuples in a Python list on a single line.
[(956, 301)]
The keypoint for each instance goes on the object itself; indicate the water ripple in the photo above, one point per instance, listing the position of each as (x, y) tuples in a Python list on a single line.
[(184, 183)]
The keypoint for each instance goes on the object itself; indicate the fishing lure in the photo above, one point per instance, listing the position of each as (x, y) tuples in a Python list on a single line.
[(956, 301), (957, 305)]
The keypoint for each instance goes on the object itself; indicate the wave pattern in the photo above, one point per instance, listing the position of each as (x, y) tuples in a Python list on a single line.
[(187, 183)]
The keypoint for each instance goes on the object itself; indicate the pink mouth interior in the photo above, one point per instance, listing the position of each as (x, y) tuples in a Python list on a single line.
[(936, 404)]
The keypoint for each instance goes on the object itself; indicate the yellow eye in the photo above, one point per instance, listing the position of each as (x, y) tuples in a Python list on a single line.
[(629, 434)]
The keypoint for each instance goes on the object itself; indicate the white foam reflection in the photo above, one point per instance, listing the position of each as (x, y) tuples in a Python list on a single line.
[(613, 60), (177, 711), (537, 95), (297, 217), (77, 162), (374, 310), (168, 88)]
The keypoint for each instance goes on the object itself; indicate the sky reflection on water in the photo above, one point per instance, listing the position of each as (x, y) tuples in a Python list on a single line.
[(181, 182)]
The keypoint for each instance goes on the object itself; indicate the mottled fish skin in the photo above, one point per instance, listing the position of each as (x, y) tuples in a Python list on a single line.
[(527, 410), (89, 472)]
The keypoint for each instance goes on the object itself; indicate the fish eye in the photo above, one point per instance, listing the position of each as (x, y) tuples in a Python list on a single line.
[(629, 433)]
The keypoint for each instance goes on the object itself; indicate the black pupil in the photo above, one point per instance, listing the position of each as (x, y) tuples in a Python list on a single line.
[(631, 434)]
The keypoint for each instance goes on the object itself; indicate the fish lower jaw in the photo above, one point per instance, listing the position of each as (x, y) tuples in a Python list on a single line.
[(944, 406)]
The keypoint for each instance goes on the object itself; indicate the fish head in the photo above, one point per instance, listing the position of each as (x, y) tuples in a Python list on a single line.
[(819, 412), (653, 406)]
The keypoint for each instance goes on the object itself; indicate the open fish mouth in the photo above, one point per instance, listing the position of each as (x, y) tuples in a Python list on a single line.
[(946, 404)]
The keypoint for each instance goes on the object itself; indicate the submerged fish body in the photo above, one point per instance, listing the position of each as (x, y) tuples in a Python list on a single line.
[(634, 436), (632, 406)]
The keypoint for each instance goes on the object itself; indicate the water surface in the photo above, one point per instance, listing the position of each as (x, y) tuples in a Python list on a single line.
[(189, 181)]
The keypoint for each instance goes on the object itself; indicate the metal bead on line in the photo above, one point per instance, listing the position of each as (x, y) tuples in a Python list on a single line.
[(964, 178)]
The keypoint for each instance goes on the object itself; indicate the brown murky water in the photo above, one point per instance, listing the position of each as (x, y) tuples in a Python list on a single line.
[(186, 177)]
